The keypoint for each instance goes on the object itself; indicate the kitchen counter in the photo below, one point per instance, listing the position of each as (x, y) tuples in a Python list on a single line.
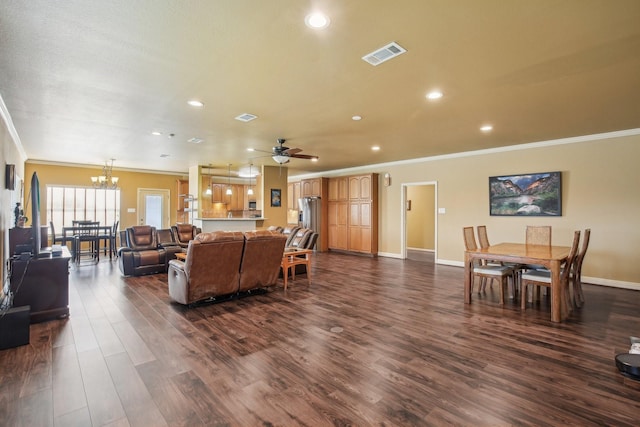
[(228, 224)]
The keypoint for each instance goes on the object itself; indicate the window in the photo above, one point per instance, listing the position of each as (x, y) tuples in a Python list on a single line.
[(66, 204)]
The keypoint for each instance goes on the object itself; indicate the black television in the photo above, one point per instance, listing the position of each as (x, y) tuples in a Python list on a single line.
[(35, 214)]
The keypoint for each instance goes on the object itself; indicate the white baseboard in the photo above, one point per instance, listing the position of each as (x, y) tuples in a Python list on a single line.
[(420, 250)]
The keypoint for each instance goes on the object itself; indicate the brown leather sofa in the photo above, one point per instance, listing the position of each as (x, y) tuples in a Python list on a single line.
[(184, 233), (261, 259), (223, 263), (142, 254), (167, 240)]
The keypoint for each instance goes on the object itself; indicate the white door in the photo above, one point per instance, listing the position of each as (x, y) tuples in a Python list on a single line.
[(153, 207)]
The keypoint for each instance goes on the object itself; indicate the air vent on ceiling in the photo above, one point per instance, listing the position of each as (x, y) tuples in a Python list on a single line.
[(385, 53), (195, 140), (246, 117)]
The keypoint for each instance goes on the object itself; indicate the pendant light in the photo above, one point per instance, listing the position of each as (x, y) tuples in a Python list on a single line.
[(208, 191), (250, 190), (229, 192)]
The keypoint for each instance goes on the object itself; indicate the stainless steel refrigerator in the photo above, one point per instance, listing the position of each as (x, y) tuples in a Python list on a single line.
[(310, 214)]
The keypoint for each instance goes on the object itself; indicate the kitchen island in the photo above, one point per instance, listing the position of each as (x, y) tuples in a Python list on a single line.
[(228, 224)]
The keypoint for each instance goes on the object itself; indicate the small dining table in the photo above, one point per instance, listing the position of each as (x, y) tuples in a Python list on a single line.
[(551, 257), (68, 234)]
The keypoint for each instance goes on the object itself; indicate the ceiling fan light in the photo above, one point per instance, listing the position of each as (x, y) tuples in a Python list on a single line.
[(280, 159)]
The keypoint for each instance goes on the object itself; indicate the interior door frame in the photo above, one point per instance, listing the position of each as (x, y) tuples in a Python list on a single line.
[(403, 217), (166, 203)]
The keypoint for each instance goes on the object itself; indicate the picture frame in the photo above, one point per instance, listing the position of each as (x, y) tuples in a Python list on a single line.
[(276, 197), (531, 194), (10, 177)]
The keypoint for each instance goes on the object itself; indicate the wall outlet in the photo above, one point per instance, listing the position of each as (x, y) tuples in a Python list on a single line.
[(442, 211)]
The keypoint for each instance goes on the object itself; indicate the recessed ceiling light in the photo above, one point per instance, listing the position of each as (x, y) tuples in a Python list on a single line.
[(375, 148), (314, 159), (251, 149), (356, 118), (316, 20), (435, 94), (195, 103), (156, 133), (486, 128)]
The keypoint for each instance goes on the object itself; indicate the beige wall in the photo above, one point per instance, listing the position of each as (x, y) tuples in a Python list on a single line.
[(421, 217), (129, 184), (9, 154), (600, 181)]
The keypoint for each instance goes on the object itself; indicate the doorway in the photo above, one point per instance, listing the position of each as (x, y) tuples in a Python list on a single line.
[(153, 207), (419, 221)]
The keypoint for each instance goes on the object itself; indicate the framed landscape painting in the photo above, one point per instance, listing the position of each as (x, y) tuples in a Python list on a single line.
[(534, 194)]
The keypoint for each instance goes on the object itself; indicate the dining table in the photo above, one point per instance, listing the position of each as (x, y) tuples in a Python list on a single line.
[(551, 257), (69, 232)]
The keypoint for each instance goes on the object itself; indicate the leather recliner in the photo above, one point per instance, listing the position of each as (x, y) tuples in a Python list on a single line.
[(167, 240), (261, 259), (184, 233), (300, 238), (211, 269), (142, 255)]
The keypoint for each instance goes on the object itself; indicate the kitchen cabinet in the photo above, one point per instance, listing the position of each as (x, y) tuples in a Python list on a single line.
[(312, 187), (293, 194), (184, 200), (338, 189)]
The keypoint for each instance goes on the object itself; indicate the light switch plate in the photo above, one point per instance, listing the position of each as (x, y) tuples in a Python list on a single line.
[(442, 210)]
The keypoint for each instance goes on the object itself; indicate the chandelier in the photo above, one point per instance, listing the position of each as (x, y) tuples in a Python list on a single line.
[(106, 180)]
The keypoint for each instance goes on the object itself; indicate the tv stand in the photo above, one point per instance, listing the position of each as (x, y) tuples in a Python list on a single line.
[(43, 283)]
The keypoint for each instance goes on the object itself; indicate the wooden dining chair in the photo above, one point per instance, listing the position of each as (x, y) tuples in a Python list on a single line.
[(576, 271), (484, 272), (543, 278), (538, 235), (483, 240)]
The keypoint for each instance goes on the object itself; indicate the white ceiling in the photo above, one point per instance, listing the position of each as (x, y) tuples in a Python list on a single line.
[(86, 81)]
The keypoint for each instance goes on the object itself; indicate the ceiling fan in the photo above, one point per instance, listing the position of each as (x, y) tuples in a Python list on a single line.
[(281, 154)]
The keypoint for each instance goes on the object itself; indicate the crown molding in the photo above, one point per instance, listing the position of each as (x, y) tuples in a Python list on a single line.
[(518, 147), (6, 118)]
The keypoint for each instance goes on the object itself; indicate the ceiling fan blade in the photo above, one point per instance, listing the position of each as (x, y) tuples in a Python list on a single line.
[(291, 151), (303, 156)]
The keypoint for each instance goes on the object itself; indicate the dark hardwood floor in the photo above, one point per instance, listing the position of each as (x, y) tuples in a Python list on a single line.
[(369, 342)]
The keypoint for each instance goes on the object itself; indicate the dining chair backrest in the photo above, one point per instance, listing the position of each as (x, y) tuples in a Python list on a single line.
[(577, 263), (483, 239), (564, 274), (469, 239), (538, 235)]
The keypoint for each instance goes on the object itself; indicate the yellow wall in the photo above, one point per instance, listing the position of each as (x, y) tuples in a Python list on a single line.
[(600, 180), (274, 177), (421, 217), (129, 184)]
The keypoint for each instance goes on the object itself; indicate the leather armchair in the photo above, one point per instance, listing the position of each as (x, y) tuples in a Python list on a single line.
[(211, 269), (183, 233), (142, 255), (261, 259)]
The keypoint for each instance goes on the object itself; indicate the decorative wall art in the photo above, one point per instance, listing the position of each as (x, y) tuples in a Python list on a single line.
[(276, 200), (534, 194)]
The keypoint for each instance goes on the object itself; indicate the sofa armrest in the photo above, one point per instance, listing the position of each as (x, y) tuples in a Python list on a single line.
[(178, 282)]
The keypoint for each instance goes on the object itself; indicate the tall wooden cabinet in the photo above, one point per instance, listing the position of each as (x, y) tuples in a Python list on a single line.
[(353, 213)]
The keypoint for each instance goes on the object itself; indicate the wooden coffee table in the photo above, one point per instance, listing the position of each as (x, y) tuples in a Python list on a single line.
[(293, 257)]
